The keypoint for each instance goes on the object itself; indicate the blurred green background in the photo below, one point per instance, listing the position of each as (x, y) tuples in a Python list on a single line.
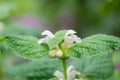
[(30, 17)]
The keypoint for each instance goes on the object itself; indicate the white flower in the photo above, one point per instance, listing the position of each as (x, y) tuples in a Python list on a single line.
[(56, 53), (70, 38), (71, 73), (1, 26), (59, 75), (47, 35)]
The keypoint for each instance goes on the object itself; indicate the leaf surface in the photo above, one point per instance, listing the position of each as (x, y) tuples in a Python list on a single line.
[(27, 46), (94, 45)]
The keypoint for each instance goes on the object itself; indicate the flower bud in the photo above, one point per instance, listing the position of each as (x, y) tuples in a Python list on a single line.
[(56, 53), (52, 53), (59, 53)]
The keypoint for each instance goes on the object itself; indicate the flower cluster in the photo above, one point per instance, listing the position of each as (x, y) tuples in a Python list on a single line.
[(69, 39)]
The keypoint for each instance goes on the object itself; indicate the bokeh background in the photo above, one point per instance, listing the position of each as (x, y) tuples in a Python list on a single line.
[(31, 17)]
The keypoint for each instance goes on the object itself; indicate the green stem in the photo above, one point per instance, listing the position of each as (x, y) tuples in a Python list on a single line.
[(64, 68)]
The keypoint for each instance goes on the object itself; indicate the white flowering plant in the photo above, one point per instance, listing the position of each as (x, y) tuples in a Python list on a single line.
[(92, 53)]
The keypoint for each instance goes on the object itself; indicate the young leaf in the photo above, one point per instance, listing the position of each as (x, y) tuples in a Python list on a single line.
[(27, 46), (94, 45), (59, 36)]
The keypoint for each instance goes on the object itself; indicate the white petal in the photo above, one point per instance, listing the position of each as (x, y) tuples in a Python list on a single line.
[(78, 40), (69, 32), (41, 41), (68, 41), (72, 73), (59, 75), (48, 33), (69, 69)]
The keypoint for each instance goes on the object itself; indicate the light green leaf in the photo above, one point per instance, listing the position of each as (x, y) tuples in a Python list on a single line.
[(59, 36), (94, 45), (27, 46)]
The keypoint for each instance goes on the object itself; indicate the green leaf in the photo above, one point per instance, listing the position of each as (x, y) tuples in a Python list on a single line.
[(99, 67), (53, 79), (94, 45), (59, 36), (27, 46), (36, 70)]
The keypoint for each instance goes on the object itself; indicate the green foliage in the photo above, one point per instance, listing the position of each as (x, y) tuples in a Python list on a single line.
[(27, 46), (59, 36), (20, 29), (111, 6), (36, 70), (6, 9), (94, 45), (53, 79), (100, 67), (2, 39)]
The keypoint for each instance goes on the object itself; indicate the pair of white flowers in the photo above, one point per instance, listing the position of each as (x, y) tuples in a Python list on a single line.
[(71, 73), (69, 39)]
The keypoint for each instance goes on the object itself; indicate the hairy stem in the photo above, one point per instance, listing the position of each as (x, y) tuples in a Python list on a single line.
[(64, 68)]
